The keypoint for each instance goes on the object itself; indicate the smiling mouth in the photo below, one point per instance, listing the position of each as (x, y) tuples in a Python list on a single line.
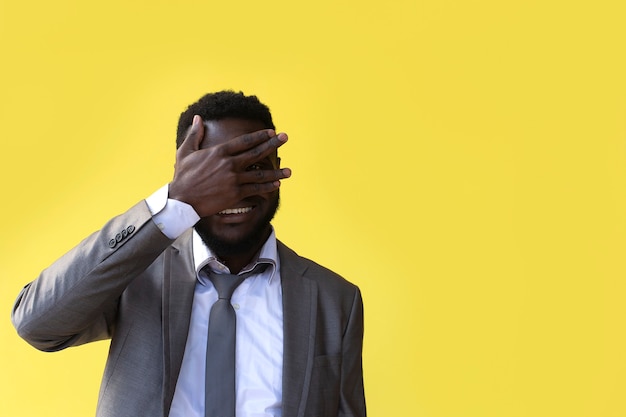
[(240, 210)]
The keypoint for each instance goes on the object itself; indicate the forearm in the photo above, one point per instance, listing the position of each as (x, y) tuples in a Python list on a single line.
[(74, 300)]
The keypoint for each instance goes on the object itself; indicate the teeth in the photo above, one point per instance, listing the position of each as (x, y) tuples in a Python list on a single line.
[(236, 210)]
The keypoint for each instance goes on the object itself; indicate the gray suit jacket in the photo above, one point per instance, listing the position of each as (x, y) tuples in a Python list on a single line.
[(130, 283)]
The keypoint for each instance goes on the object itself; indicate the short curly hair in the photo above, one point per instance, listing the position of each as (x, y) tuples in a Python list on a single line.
[(222, 105)]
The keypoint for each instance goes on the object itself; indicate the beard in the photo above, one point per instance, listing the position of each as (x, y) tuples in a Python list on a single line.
[(224, 248)]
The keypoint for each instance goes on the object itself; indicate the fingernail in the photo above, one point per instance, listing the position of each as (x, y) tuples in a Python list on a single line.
[(286, 172), (282, 137), (196, 120)]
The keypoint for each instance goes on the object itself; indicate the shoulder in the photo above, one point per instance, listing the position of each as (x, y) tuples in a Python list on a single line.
[(293, 264)]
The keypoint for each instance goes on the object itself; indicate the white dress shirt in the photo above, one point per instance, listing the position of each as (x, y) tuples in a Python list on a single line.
[(258, 304)]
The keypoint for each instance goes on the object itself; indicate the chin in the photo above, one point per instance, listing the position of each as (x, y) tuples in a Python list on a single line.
[(225, 247), (253, 240)]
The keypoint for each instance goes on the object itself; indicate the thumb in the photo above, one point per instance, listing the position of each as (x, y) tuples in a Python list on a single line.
[(194, 136)]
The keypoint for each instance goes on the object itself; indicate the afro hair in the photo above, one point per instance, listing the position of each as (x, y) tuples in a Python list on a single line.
[(222, 105)]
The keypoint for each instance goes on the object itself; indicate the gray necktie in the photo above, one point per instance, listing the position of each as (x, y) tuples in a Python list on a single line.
[(220, 354)]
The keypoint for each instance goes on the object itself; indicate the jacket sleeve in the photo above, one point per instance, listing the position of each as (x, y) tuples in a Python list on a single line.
[(74, 300), (352, 396)]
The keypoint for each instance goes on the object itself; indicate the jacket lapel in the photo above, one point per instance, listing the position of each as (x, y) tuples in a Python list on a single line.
[(178, 289), (299, 323)]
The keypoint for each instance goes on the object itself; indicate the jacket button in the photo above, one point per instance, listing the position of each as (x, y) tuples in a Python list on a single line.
[(112, 243), (118, 237), (130, 229)]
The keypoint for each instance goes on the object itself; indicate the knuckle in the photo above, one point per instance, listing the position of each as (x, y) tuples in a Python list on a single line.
[(219, 150), (246, 139)]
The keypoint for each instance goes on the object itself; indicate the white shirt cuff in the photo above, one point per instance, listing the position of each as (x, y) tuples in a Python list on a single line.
[(173, 217)]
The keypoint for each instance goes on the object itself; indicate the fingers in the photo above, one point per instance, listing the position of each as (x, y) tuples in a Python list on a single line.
[(255, 143), (261, 150), (261, 181), (248, 190), (194, 137), (261, 177), (244, 142)]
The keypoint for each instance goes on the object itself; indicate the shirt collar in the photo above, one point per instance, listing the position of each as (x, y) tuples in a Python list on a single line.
[(203, 256)]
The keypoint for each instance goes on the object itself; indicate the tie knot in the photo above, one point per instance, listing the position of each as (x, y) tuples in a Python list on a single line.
[(225, 284)]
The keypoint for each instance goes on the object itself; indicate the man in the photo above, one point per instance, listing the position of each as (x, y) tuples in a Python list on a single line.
[(146, 281)]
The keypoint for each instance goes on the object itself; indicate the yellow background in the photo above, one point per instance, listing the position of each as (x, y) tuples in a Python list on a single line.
[(463, 162)]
